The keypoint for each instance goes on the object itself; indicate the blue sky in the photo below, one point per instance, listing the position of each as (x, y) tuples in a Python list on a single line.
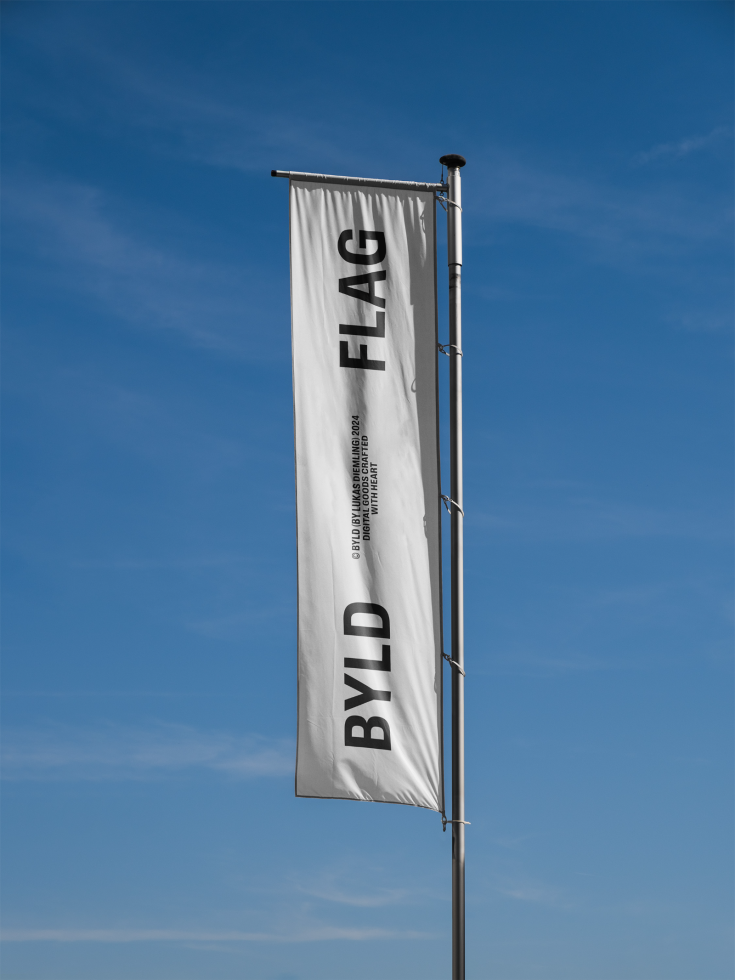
[(150, 827)]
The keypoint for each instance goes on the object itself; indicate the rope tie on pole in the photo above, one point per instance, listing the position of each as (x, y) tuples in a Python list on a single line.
[(453, 663), (442, 348), (448, 500)]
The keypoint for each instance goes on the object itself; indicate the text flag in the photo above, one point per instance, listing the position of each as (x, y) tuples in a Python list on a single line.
[(363, 289)]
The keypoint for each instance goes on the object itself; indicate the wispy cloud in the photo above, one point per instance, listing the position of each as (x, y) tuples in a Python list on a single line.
[(163, 564), (512, 843), (531, 893), (181, 113), (310, 935), (65, 752), (683, 147), (706, 319), (530, 664), (624, 223), (236, 626), (351, 880), (587, 517), (330, 891), (79, 243), (536, 892)]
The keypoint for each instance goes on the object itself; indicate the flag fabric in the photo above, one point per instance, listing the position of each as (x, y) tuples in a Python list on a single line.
[(364, 330)]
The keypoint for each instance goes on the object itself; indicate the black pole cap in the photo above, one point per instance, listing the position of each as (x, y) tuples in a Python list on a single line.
[(452, 160)]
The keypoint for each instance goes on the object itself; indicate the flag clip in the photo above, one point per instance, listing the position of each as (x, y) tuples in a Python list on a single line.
[(443, 349), (445, 821), (445, 200), (453, 663), (448, 500)]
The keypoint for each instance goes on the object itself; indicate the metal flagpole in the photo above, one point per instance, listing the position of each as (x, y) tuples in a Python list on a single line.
[(453, 162), (453, 204)]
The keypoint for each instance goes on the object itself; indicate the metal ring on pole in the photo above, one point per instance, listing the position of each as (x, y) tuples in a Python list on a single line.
[(448, 500), (442, 348), (453, 663)]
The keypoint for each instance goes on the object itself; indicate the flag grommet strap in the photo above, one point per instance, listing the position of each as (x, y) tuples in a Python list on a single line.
[(448, 500), (445, 200), (453, 663), (445, 821)]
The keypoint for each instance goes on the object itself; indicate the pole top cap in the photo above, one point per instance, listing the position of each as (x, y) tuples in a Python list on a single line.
[(452, 160)]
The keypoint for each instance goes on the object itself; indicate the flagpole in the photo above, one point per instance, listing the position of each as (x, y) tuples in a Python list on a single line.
[(453, 162)]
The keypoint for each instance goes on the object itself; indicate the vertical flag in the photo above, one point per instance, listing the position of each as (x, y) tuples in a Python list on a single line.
[(363, 292)]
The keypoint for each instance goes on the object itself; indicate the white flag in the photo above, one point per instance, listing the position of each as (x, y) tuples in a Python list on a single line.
[(363, 291)]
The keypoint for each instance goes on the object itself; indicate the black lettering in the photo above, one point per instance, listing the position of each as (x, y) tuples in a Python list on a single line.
[(346, 286), (383, 664), (366, 741), (381, 632), (373, 258), (366, 693), (358, 362), (359, 331)]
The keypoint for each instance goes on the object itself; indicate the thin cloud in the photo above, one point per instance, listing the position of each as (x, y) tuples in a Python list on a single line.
[(78, 244), (534, 892), (704, 320), (182, 114), (587, 518), (163, 564), (683, 147), (355, 882), (331, 892), (624, 223), (114, 752), (236, 626), (316, 934), (172, 108), (529, 893), (529, 664)]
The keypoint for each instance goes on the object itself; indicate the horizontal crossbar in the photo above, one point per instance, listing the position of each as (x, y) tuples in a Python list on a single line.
[(405, 185)]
